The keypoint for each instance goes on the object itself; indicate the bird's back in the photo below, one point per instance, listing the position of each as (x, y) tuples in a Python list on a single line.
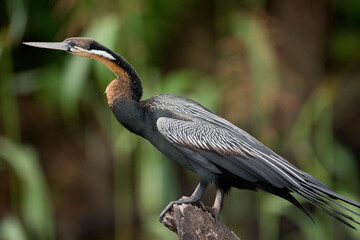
[(190, 126), (233, 156)]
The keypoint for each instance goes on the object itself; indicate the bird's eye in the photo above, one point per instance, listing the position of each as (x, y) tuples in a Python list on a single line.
[(72, 43)]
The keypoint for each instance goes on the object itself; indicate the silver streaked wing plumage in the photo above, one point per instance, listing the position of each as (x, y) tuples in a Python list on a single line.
[(197, 135), (242, 152), (190, 127)]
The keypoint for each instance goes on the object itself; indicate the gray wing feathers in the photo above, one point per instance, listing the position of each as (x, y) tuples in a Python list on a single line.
[(198, 136), (236, 151), (201, 160), (175, 132)]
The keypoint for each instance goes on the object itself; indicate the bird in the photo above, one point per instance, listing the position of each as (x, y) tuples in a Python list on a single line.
[(191, 135)]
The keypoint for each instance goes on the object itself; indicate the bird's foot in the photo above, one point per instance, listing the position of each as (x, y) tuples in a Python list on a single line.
[(213, 212), (182, 200)]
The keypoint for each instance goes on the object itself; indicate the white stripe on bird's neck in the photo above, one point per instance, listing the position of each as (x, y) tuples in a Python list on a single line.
[(97, 52)]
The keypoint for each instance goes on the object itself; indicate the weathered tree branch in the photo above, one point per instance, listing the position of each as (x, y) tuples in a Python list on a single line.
[(191, 222)]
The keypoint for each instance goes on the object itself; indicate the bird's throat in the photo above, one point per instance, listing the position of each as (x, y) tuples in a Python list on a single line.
[(120, 87)]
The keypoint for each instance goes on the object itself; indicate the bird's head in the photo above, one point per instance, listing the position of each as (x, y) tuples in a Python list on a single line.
[(128, 82), (89, 48), (84, 47)]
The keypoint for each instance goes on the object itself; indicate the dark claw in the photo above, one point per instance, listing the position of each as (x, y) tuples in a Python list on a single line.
[(178, 202), (203, 207), (213, 213), (182, 200), (167, 208)]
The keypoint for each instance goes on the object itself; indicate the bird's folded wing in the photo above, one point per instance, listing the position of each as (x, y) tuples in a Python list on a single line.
[(228, 148)]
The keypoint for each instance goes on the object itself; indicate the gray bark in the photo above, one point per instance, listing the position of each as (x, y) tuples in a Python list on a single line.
[(191, 222)]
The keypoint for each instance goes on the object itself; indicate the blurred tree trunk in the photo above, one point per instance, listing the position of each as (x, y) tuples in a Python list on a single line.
[(299, 30), (301, 40)]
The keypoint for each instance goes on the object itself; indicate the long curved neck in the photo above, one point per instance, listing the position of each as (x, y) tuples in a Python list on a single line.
[(130, 114), (127, 83), (128, 74)]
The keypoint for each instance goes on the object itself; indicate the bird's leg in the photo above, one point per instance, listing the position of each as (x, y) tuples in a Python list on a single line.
[(218, 204), (194, 198)]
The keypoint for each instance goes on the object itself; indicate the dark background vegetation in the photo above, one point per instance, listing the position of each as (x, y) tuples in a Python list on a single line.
[(288, 72)]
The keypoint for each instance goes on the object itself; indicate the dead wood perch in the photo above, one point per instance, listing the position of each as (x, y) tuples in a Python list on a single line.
[(191, 222)]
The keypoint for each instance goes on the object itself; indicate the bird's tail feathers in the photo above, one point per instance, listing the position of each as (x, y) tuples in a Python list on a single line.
[(287, 196), (321, 196), (334, 195)]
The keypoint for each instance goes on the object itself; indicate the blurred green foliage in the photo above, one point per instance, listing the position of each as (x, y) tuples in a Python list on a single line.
[(33, 196), (60, 140)]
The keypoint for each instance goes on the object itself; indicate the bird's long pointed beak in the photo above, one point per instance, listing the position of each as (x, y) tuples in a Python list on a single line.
[(50, 45)]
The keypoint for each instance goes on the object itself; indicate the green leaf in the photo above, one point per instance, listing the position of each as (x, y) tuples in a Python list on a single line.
[(11, 228), (34, 201)]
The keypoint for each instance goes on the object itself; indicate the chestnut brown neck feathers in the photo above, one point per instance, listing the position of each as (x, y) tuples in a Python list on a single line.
[(127, 83), (120, 87)]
